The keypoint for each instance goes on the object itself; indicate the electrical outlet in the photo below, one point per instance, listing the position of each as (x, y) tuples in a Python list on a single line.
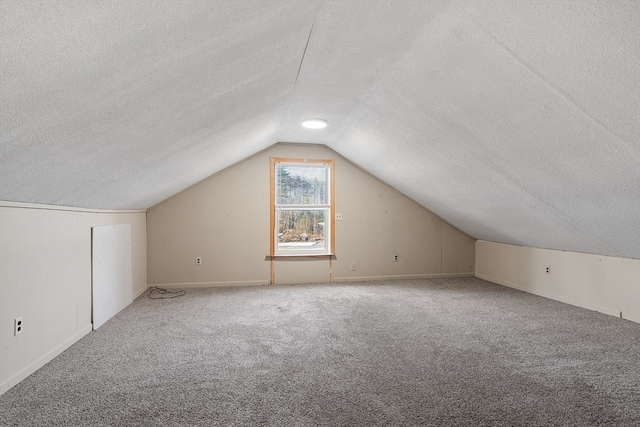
[(548, 270), (353, 267), (18, 326), (395, 258), (338, 217), (198, 261)]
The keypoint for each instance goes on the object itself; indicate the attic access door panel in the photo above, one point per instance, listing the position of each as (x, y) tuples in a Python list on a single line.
[(112, 281)]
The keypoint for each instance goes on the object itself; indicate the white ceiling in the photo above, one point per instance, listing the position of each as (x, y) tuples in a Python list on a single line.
[(516, 121)]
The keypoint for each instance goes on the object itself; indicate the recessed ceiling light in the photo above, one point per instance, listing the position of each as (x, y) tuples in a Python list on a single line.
[(314, 123)]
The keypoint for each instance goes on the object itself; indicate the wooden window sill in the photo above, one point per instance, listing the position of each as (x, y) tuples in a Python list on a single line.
[(300, 256)]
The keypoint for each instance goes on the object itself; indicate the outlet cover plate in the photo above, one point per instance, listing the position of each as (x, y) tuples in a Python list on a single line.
[(18, 326)]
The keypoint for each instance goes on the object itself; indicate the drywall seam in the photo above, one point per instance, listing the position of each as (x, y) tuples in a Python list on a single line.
[(523, 184), (554, 88), (305, 48), (28, 370), (21, 205)]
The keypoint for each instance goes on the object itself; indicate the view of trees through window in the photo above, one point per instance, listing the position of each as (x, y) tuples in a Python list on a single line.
[(302, 207)]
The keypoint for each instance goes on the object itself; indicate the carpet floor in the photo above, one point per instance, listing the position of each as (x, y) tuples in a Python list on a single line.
[(445, 352)]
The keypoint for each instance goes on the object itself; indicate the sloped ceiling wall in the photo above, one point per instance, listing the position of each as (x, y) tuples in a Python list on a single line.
[(516, 121)]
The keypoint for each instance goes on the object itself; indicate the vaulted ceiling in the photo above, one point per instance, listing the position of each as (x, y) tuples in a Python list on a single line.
[(515, 121)]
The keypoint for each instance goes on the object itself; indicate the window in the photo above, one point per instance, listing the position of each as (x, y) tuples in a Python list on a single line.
[(301, 207)]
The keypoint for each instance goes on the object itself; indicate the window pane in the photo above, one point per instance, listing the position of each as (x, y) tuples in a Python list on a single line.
[(301, 185), (301, 230)]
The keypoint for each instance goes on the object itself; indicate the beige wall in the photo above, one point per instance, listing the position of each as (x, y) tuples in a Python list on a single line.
[(45, 277), (606, 284), (225, 220)]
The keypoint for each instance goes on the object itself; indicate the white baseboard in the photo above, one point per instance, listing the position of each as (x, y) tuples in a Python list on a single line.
[(24, 373), (500, 282), (140, 292), (209, 284), (335, 279), (551, 296), (401, 277)]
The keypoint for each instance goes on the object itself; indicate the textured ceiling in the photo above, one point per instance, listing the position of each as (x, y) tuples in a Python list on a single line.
[(516, 121)]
